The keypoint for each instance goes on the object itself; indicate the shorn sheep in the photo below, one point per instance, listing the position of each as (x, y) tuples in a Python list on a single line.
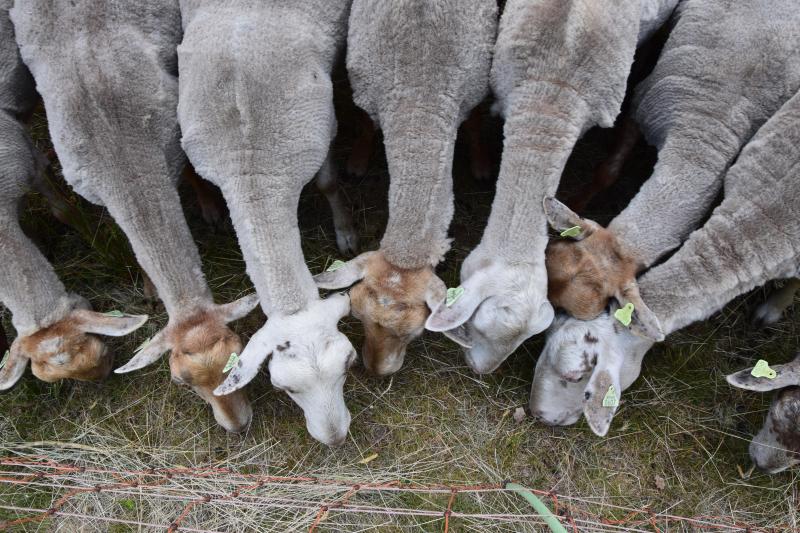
[(559, 68), (107, 73), (752, 237), (55, 329), (710, 91), (417, 68), (256, 110)]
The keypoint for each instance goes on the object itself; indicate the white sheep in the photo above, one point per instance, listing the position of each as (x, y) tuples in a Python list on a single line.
[(106, 72), (559, 68), (710, 91), (751, 238), (54, 328), (256, 110), (417, 68)]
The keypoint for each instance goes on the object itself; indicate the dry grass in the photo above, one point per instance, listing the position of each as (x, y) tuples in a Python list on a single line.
[(433, 422)]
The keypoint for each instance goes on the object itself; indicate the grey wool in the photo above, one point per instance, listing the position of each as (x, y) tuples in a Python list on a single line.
[(725, 69), (29, 287), (752, 237), (256, 109), (107, 73), (418, 68)]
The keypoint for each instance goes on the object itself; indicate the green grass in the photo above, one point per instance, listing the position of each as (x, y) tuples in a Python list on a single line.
[(434, 422)]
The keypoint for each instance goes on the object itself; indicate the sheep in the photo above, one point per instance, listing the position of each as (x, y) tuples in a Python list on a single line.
[(752, 237), (56, 330), (708, 94), (106, 72), (776, 447), (559, 68), (418, 99), (256, 110)]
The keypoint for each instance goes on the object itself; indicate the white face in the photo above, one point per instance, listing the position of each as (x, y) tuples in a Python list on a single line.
[(308, 358), (579, 363), (502, 306)]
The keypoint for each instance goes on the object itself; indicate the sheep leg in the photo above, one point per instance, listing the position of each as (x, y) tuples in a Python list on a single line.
[(608, 172), (209, 198), (328, 184), (779, 300), (479, 160), (358, 162)]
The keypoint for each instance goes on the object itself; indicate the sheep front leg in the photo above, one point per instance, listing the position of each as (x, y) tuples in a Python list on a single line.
[(328, 184), (778, 302)]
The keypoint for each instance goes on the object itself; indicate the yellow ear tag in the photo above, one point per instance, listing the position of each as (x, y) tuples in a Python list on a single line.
[(232, 360), (143, 345), (610, 399), (336, 265), (762, 370), (624, 314), (453, 294), (5, 358), (115, 314), (574, 231)]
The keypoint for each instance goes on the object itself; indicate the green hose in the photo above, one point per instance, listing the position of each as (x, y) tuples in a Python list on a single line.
[(541, 508)]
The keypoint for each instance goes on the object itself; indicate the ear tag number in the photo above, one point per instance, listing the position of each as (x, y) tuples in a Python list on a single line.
[(762, 370), (610, 399), (5, 358), (574, 231), (336, 265), (453, 294), (624, 314), (232, 360), (115, 314)]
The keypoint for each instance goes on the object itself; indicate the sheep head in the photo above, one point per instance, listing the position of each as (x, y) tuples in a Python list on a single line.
[(590, 267), (69, 348), (392, 303), (308, 358), (200, 346), (777, 446)]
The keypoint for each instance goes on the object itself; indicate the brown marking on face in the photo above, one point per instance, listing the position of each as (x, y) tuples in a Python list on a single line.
[(583, 275), (785, 414), (390, 302), (63, 351), (591, 339), (201, 347)]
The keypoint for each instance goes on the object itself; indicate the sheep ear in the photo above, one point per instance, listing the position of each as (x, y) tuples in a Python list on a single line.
[(15, 363), (238, 308), (435, 293), (257, 351), (338, 305), (644, 322), (785, 376), (113, 324), (602, 393), (340, 276), (148, 353), (461, 308), (562, 219), (543, 319)]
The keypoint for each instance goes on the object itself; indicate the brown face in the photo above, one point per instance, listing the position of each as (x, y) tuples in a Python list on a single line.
[(62, 351), (583, 275), (202, 346), (391, 303)]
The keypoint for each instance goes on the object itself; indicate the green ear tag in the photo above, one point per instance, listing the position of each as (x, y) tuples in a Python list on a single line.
[(5, 358), (336, 265), (453, 294), (762, 370), (232, 360), (624, 314), (142, 346), (610, 399), (574, 231), (115, 314)]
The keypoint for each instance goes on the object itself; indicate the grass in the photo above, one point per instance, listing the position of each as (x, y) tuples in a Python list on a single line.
[(677, 445)]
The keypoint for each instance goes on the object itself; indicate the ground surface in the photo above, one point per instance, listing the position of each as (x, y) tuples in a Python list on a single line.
[(678, 444)]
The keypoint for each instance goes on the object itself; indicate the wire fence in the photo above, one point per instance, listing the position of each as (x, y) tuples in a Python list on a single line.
[(211, 500)]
